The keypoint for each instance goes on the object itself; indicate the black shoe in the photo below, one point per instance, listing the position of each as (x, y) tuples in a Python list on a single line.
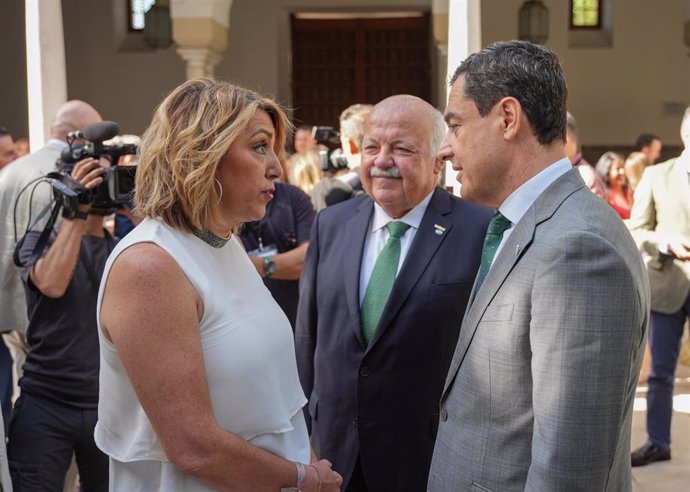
[(649, 453)]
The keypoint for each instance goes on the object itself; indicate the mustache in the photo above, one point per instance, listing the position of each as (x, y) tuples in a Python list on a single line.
[(389, 172)]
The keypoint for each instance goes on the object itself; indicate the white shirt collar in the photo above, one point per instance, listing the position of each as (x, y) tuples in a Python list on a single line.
[(412, 218), (60, 143), (520, 200)]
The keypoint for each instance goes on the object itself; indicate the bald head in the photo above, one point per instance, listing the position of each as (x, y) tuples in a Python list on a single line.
[(685, 128), (73, 115)]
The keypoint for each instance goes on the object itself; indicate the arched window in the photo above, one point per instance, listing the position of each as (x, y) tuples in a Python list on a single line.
[(135, 13), (585, 14)]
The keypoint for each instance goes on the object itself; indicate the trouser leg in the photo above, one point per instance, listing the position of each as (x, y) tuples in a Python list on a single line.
[(40, 444), (92, 463), (665, 333)]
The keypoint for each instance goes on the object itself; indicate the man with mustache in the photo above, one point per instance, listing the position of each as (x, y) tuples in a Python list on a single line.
[(384, 287)]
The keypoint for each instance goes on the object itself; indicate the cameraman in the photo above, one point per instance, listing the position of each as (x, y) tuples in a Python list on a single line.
[(343, 183), (57, 410)]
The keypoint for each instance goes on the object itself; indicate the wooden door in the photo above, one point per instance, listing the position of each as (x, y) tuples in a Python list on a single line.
[(339, 62)]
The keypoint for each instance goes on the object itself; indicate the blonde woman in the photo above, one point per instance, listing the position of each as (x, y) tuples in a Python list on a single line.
[(635, 165), (199, 387), (306, 170)]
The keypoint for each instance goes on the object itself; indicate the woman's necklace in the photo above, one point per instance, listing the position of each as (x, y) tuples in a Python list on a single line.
[(212, 239)]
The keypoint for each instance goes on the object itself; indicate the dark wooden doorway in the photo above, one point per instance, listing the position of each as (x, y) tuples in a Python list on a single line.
[(339, 62)]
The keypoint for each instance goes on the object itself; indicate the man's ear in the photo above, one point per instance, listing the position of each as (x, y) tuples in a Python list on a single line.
[(510, 113), (438, 165), (353, 146)]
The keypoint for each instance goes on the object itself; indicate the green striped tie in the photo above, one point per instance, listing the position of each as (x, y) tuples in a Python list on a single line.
[(381, 281), (494, 234)]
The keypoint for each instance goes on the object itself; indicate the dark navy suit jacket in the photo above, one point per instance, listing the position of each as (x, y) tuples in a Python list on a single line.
[(381, 401)]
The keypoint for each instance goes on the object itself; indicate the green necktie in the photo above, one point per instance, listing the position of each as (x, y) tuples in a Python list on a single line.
[(498, 225), (381, 281)]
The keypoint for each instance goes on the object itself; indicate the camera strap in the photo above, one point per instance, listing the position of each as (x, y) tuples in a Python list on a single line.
[(42, 239)]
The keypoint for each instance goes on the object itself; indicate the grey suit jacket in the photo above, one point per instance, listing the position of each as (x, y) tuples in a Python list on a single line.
[(13, 178), (540, 390), (662, 210)]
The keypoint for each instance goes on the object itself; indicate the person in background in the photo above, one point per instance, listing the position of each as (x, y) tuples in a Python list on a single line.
[(56, 412), (21, 146), (303, 142), (634, 167), (343, 182), (199, 386), (278, 243), (7, 148), (611, 168), (573, 151), (71, 116), (660, 224), (650, 145), (306, 170)]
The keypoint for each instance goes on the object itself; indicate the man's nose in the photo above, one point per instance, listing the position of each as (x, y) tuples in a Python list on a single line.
[(384, 158)]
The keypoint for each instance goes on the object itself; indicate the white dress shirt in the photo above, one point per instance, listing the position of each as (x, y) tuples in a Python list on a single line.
[(378, 236), (516, 205)]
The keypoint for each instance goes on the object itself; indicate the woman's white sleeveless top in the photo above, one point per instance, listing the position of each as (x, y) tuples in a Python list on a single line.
[(249, 359)]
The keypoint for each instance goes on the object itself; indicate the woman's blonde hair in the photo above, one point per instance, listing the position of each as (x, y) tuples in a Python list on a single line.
[(190, 134), (306, 170), (635, 165)]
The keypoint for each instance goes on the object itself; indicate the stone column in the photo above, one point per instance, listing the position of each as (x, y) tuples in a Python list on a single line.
[(45, 67), (464, 38), (200, 30)]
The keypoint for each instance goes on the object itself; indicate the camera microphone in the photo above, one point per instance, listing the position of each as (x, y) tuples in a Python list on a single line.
[(97, 132)]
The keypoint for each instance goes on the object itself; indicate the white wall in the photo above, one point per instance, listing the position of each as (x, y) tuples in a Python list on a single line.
[(615, 93)]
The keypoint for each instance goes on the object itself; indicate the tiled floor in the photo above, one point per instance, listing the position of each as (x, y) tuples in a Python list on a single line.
[(674, 475)]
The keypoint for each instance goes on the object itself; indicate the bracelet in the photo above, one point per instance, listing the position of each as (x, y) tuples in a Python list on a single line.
[(301, 475), (318, 489)]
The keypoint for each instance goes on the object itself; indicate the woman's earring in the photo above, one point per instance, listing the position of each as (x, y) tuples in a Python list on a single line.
[(220, 187)]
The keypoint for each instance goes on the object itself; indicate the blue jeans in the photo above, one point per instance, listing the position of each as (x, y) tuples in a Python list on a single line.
[(665, 334)]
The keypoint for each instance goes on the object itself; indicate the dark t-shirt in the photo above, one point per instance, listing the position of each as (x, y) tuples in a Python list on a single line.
[(63, 359), (287, 225)]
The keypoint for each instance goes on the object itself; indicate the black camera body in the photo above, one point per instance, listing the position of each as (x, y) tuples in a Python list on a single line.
[(117, 188), (331, 159)]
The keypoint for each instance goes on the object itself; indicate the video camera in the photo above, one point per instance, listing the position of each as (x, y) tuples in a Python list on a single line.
[(330, 159), (117, 187)]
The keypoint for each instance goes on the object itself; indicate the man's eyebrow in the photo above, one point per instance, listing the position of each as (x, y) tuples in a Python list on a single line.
[(451, 115)]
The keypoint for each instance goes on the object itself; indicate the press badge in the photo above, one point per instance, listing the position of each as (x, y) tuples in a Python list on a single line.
[(261, 252)]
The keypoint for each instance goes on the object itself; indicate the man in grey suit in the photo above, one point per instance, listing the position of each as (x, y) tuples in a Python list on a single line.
[(539, 393), (71, 116), (660, 224)]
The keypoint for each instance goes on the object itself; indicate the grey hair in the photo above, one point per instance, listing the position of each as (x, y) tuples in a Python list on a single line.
[(438, 132)]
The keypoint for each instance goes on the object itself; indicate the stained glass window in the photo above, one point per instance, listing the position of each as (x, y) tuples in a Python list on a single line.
[(137, 9), (585, 13)]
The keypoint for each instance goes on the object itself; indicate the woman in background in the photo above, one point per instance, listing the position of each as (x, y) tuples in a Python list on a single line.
[(199, 386), (611, 168)]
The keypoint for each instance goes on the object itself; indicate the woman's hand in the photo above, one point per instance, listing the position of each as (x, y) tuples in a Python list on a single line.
[(321, 478)]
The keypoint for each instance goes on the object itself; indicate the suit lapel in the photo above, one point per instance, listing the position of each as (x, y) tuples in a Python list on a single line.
[(422, 250), (355, 235), (514, 248)]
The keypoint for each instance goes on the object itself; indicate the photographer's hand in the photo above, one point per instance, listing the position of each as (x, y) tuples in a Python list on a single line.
[(53, 272), (89, 173)]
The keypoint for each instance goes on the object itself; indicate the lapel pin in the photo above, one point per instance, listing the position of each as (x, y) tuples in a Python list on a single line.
[(439, 230)]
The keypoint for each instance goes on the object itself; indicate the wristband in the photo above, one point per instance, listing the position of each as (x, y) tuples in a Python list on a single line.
[(301, 475), (73, 214)]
